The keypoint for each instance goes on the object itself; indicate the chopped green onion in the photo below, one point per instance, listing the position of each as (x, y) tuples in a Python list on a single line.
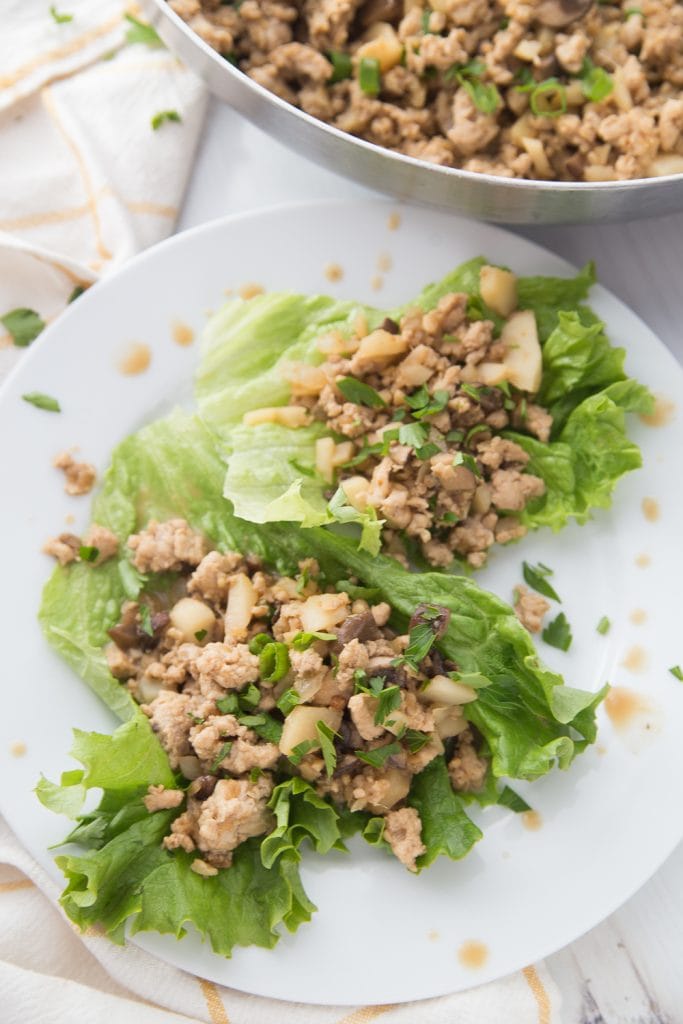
[(476, 429), (199, 635), (455, 435), (23, 324), (596, 83), (164, 115), (258, 642), (46, 402), (548, 99), (484, 95), (537, 578), (558, 633), (603, 626), (449, 517), (249, 721), (255, 774), (360, 393), (288, 700), (228, 705), (369, 77), (274, 662), (631, 11), (424, 22), (341, 66), (379, 756), (677, 672), (87, 553), (464, 459), (60, 19)]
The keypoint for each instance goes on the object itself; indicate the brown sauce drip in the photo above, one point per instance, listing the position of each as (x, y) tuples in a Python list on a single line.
[(18, 749), (662, 413), (136, 360), (473, 954), (531, 820), (635, 659), (394, 221), (624, 707), (384, 262), (638, 616), (333, 272), (182, 334), (651, 510), (642, 561), (249, 291), (376, 282)]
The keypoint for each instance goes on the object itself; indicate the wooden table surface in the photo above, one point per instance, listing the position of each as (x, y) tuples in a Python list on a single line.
[(628, 970)]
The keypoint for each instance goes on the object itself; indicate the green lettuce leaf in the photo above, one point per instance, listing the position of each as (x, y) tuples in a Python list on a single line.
[(300, 814), (446, 828)]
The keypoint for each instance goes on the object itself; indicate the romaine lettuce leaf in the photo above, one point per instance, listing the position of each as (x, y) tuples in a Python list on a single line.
[(446, 828)]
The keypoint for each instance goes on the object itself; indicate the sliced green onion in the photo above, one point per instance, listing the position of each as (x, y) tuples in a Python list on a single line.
[(42, 401), (595, 82), (369, 77), (548, 99), (274, 662), (341, 66), (87, 553)]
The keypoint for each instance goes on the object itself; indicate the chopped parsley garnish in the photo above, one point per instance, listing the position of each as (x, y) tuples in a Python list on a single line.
[(162, 116), (596, 83), (302, 641), (464, 459), (250, 697), (374, 685), (264, 725), (427, 450), (146, 620), (221, 755), (422, 636), (199, 635), (131, 580), (449, 517), (46, 402), (369, 77), (141, 32), (195, 719), (455, 435), (228, 705), (478, 428), (631, 11), (537, 578), (75, 294), (255, 774), (378, 757), (360, 393), (88, 553), (413, 434), (298, 752), (471, 391), (258, 642), (484, 95), (677, 672), (288, 700), (603, 626), (326, 735), (415, 740), (388, 700), (548, 98), (423, 404), (424, 22), (249, 721), (508, 798), (24, 325), (60, 19), (274, 662), (341, 66), (558, 633)]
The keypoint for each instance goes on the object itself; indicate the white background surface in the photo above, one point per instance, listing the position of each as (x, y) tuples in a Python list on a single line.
[(626, 971)]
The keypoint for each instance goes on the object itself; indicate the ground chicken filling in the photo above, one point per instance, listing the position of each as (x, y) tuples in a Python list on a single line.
[(417, 408), (568, 90), (249, 678)]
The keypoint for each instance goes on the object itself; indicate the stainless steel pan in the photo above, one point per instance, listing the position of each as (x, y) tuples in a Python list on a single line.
[(484, 196)]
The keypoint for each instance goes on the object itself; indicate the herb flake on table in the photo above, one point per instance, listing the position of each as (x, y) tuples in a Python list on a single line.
[(41, 401), (59, 18), (141, 32), (537, 578), (558, 633), (24, 325), (603, 626), (677, 672), (163, 116)]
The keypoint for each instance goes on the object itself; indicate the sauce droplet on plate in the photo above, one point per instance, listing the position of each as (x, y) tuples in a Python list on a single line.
[(642, 561), (384, 262), (181, 333), (136, 360), (635, 659), (473, 954), (433, 935), (651, 509), (394, 221), (624, 707), (18, 749), (333, 272), (376, 282), (661, 414), (638, 616), (250, 291), (531, 820)]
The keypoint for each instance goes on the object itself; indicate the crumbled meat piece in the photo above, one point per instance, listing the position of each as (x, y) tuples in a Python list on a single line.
[(166, 546), (211, 578), (80, 476), (106, 542), (362, 708), (170, 719), (120, 665), (231, 667), (208, 737), (530, 608), (538, 422), (245, 755), (161, 799), (403, 832), (510, 489), (466, 769), (235, 811), (64, 548)]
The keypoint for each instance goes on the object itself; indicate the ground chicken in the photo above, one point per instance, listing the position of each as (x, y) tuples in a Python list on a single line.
[(229, 666), (530, 608), (64, 548), (161, 799), (80, 476), (466, 769), (211, 578), (166, 546), (235, 811), (403, 832), (106, 543)]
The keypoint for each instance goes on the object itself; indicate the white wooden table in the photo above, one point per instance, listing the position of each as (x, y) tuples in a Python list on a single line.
[(628, 970)]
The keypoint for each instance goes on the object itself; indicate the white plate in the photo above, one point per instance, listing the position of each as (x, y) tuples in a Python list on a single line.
[(380, 934)]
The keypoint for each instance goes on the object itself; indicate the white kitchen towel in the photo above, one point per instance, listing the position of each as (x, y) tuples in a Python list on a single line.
[(86, 182), (86, 179)]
